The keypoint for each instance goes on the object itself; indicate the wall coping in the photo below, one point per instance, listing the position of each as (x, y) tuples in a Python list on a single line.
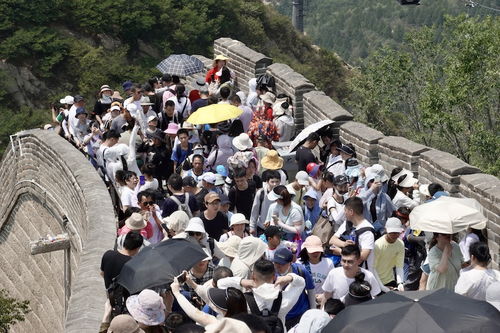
[(448, 163), (321, 101), (354, 128)]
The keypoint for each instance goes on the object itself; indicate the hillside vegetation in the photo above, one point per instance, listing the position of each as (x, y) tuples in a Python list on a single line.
[(74, 46)]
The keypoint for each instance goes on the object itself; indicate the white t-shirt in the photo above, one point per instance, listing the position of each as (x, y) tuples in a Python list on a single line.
[(335, 211), (129, 197), (474, 282), (366, 241), (338, 283), (270, 253), (319, 273), (183, 108), (402, 200), (294, 214), (149, 185), (465, 244)]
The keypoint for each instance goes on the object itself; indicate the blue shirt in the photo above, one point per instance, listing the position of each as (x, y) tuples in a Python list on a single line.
[(302, 304)]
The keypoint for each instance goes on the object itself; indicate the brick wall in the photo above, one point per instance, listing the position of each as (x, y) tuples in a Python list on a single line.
[(43, 179)]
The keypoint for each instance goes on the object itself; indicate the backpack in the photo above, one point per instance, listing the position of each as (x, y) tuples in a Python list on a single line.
[(183, 206), (270, 317), (117, 295), (348, 235)]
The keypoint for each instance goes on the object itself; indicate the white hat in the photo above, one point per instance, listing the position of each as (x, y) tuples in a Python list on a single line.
[(268, 97), (177, 221), (376, 170), (238, 218), (209, 177), (196, 225), (230, 246), (393, 224), (209, 255), (242, 142), (151, 118), (409, 180), (493, 294), (272, 196), (104, 88), (147, 308), (424, 189), (302, 178), (115, 107), (145, 101), (67, 100), (219, 180), (400, 173), (135, 222), (290, 189), (132, 108)]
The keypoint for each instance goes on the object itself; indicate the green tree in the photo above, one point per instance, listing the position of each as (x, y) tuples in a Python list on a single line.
[(440, 88), (11, 310)]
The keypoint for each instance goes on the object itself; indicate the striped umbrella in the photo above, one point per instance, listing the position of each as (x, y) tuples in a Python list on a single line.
[(180, 65)]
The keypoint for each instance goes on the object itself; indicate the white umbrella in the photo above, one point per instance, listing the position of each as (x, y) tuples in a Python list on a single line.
[(448, 215), (301, 137)]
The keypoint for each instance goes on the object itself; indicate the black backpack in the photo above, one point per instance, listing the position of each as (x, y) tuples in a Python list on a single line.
[(117, 295), (270, 317), (358, 232)]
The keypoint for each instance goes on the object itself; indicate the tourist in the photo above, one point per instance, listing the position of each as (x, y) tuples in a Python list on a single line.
[(304, 154), (445, 262)]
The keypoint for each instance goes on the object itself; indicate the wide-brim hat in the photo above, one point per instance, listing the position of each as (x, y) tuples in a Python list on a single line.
[(376, 170), (230, 246), (346, 149), (408, 181), (187, 126), (80, 111), (151, 118), (67, 100), (218, 297), (200, 82), (268, 97), (136, 222), (238, 218), (172, 129), (116, 95), (272, 160), (196, 225), (242, 142), (104, 88), (221, 57), (147, 308), (145, 101)]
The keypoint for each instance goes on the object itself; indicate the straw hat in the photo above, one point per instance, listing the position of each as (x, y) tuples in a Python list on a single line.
[(135, 222), (147, 308), (272, 160), (242, 142)]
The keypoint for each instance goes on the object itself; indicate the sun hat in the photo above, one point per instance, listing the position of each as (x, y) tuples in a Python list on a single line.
[(221, 170), (147, 308), (227, 325), (242, 142), (172, 129), (132, 108), (151, 118), (78, 98), (302, 178), (230, 246), (240, 159), (211, 197), (124, 324), (67, 100), (272, 161), (393, 224), (115, 108), (312, 169), (145, 101), (201, 82), (283, 256), (187, 126), (311, 193), (400, 173), (116, 95), (196, 225), (424, 189), (493, 294), (238, 218), (408, 181), (290, 189), (218, 297), (219, 180), (127, 85), (104, 88), (177, 221), (273, 195), (376, 170), (80, 111), (136, 222), (313, 244), (221, 57), (346, 149), (209, 177), (268, 97)]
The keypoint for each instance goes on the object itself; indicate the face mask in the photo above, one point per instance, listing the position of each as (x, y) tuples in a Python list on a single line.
[(106, 99)]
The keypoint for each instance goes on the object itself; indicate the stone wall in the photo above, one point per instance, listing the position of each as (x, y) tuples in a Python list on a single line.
[(48, 187), (372, 146)]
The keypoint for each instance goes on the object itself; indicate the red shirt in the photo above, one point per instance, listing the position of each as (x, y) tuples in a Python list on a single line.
[(194, 95), (210, 73)]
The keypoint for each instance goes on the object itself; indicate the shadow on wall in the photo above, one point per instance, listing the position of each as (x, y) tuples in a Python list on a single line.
[(48, 187)]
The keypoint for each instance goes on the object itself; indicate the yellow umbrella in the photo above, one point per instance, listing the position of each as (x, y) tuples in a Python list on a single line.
[(214, 113)]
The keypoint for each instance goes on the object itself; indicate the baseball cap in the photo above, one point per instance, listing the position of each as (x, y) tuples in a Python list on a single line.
[(209, 177), (78, 98), (211, 197), (151, 118), (283, 256), (393, 224), (302, 178), (341, 180), (313, 244), (224, 199), (115, 108)]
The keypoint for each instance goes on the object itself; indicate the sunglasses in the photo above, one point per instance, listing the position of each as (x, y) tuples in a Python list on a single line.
[(148, 203)]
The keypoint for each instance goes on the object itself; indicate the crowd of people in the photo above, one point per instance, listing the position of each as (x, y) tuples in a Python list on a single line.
[(270, 265)]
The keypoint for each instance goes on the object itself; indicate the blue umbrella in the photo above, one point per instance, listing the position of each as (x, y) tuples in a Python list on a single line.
[(180, 65)]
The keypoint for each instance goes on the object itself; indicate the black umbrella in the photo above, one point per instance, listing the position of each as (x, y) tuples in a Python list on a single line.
[(157, 265), (438, 311)]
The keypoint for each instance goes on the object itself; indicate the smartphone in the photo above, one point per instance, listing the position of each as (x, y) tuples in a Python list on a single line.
[(142, 180), (182, 278)]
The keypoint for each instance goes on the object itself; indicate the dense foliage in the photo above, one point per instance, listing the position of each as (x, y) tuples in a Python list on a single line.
[(355, 29), (11, 311), (76, 46), (441, 88)]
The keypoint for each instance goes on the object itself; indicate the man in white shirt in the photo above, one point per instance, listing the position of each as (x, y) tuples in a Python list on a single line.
[(261, 202), (266, 290), (338, 280), (72, 120), (361, 233)]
